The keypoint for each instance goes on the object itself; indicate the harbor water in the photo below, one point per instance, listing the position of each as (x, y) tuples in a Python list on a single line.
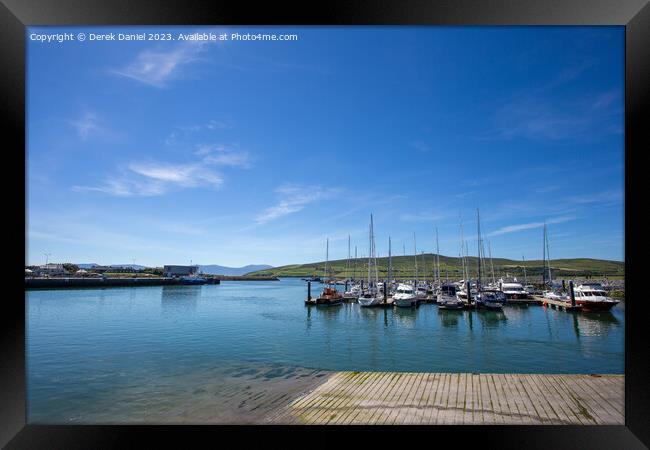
[(118, 355)]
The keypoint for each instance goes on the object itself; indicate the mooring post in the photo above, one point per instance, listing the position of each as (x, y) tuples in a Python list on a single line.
[(563, 285), (361, 285), (346, 285), (385, 293), (469, 294), (573, 294), (309, 290)]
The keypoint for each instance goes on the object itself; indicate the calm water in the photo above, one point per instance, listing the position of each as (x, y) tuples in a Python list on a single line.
[(102, 351)]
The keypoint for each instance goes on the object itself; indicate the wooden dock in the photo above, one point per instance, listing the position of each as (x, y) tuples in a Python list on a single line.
[(387, 398), (533, 300), (561, 304)]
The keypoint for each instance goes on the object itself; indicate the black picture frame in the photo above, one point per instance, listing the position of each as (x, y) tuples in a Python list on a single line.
[(15, 15)]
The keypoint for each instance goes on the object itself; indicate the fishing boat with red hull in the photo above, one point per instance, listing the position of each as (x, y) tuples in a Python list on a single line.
[(593, 298), (330, 296)]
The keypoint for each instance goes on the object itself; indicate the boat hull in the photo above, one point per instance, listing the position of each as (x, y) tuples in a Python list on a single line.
[(489, 306), (588, 306), (405, 303), (366, 302), (329, 301), (451, 305)]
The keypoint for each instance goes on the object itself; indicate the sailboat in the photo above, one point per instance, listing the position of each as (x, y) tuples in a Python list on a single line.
[(371, 297), (329, 296), (484, 299), (406, 295), (420, 286), (549, 293)]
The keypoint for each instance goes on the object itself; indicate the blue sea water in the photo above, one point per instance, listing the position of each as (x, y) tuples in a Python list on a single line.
[(96, 350)]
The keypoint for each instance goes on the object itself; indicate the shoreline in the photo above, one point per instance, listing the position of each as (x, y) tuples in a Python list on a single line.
[(107, 282)]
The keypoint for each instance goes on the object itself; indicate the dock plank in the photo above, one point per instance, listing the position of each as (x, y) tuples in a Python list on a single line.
[(451, 398)]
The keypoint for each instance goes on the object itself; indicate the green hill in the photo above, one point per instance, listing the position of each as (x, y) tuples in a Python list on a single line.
[(403, 267)]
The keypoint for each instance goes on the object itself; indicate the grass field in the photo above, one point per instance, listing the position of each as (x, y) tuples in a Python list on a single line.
[(404, 267)]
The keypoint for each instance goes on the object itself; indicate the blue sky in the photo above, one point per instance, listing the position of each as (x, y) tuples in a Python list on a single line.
[(254, 152)]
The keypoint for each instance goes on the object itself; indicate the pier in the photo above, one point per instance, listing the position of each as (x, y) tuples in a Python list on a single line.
[(532, 300), (390, 398), (562, 304), (93, 282)]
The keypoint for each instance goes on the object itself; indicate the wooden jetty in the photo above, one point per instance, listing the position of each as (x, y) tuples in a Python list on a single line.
[(561, 304), (388, 398), (533, 300)]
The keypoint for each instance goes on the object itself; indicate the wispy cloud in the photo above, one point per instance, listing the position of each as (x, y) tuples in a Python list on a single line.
[(156, 178), (86, 125), (223, 155), (151, 178), (293, 198), (157, 68), (185, 132), (528, 226), (606, 198), (546, 113)]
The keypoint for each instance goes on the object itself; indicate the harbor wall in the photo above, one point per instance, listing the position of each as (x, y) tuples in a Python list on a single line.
[(36, 283)]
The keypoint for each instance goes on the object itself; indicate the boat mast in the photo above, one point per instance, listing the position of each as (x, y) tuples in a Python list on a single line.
[(462, 250), (548, 257), (437, 258), (347, 264), (374, 251), (327, 257), (369, 250), (390, 263), (523, 261), (424, 265), (494, 281), (478, 260), (415, 256), (544, 257)]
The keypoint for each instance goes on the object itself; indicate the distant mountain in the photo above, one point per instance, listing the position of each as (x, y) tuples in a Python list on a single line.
[(91, 265), (214, 269)]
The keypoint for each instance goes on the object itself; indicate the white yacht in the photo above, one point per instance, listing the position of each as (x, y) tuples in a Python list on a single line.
[(354, 292), (514, 290), (372, 296), (405, 296), (593, 298)]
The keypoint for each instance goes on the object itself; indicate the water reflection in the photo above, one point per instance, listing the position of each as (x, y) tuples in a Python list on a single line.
[(178, 300), (491, 319), (449, 317), (596, 324), (406, 316)]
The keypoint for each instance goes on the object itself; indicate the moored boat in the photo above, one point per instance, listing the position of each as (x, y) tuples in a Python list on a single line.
[(593, 298), (193, 279), (489, 300), (329, 296), (372, 296), (405, 297), (514, 290), (447, 298)]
